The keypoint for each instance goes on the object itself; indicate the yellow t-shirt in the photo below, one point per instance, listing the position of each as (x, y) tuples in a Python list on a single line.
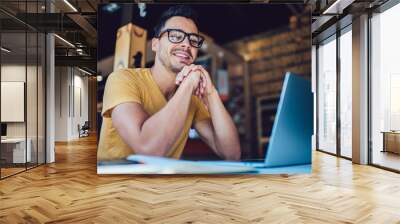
[(138, 85)]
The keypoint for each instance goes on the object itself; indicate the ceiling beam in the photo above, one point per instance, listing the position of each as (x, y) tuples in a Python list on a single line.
[(82, 61)]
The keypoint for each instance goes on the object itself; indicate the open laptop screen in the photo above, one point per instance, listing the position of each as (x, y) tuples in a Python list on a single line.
[(290, 142)]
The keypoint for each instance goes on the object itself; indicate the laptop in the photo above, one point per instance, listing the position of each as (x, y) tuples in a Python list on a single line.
[(290, 141)]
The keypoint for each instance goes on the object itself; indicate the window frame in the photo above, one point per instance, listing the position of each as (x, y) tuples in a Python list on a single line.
[(336, 31)]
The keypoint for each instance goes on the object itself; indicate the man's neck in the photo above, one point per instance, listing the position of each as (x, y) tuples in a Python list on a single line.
[(165, 79)]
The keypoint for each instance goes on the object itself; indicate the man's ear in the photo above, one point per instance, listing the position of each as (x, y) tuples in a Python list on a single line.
[(154, 44)]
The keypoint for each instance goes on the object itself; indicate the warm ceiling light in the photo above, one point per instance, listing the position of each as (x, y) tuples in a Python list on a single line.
[(5, 50), (65, 41), (70, 5)]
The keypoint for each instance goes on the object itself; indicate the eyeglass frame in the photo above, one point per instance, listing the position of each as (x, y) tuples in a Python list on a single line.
[(186, 35)]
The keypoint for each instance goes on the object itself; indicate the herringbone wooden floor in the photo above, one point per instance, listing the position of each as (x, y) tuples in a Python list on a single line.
[(70, 191)]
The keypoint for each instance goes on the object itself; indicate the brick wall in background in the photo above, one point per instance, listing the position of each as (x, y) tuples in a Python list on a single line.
[(272, 54), (269, 56)]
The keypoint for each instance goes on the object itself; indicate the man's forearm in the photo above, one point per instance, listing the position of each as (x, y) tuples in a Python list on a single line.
[(225, 133), (161, 130)]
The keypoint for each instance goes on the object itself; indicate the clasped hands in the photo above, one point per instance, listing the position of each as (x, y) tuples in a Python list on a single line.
[(198, 77)]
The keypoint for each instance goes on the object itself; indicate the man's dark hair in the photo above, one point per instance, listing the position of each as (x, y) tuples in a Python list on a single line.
[(178, 10)]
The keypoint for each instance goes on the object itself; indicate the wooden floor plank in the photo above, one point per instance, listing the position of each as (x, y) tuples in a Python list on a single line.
[(70, 191)]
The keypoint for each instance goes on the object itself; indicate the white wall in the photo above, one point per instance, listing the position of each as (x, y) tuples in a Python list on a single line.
[(16, 72), (33, 127), (71, 93), (61, 103), (82, 83)]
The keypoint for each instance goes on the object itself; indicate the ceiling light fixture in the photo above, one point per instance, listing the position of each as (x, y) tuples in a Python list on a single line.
[(337, 7), (70, 5), (111, 7), (5, 50), (84, 71), (64, 40)]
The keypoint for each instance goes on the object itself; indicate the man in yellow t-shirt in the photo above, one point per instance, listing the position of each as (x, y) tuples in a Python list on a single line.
[(150, 111)]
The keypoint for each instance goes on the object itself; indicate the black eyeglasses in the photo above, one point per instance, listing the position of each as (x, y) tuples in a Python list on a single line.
[(177, 36)]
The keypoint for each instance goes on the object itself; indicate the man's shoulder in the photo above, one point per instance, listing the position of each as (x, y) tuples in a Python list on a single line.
[(137, 76), (130, 72)]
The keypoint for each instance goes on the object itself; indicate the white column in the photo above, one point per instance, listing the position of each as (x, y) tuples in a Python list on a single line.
[(360, 90), (50, 93)]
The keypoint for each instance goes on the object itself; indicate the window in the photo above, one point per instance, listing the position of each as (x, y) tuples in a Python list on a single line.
[(385, 88), (345, 42), (327, 95)]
